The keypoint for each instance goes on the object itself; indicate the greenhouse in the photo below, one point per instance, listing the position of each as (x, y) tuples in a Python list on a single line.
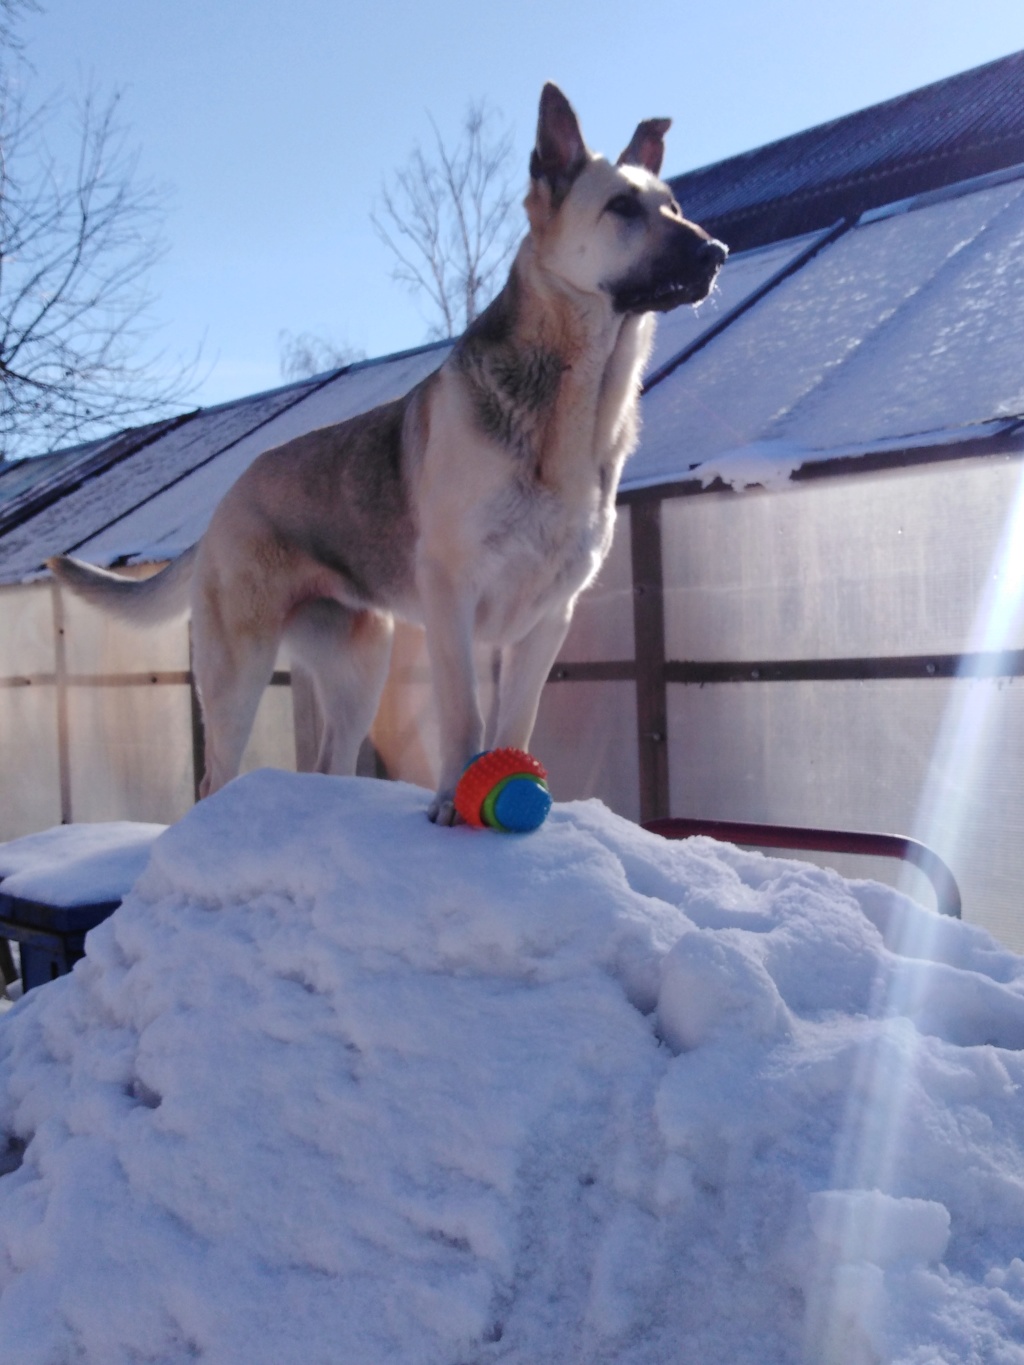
[(813, 613)]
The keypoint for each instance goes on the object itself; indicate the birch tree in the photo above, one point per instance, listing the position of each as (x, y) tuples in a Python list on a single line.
[(450, 218), (79, 236)]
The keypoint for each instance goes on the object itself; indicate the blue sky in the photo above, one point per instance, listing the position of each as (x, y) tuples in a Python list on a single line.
[(273, 125)]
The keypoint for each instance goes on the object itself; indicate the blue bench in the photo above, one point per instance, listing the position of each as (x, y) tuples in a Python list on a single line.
[(57, 885), (50, 938)]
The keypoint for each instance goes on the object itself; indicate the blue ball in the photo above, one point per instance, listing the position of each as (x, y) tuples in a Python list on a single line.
[(522, 805)]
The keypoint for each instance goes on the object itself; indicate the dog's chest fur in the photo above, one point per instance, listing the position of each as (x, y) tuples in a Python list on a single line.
[(551, 425), (535, 554)]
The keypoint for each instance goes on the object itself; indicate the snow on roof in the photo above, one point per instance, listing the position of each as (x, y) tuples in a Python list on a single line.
[(156, 498), (746, 274), (909, 328), (18, 478), (177, 516), (28, 486), (334, 1084)]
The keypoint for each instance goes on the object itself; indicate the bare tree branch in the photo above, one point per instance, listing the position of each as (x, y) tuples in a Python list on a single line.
[(304, 354), (450, 219), (76, 245), (10, 12)]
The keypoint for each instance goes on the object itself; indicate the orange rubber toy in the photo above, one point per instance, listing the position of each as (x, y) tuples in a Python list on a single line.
[(505, 790)]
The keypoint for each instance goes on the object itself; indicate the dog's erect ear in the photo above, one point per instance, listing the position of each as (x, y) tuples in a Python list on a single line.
[(647, 147), (560, 153)]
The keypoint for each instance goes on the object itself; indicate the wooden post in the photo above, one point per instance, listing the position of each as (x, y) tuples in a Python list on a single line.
[(198, 731), (649, 632), (61, 688)]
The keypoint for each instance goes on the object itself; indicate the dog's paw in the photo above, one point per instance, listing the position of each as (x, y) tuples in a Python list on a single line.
[(442, 810)]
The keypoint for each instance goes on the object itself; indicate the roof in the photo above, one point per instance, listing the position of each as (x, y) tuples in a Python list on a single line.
[(148, 494), (953, 130), (903, 331), (901, 328)]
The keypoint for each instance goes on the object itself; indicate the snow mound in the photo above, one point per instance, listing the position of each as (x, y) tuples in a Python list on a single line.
[(334, 1085)]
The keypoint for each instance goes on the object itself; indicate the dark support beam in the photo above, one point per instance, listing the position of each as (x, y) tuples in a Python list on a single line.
[(600, 670), (198, 730), (649, 630), (1007, 663), (61, 666)]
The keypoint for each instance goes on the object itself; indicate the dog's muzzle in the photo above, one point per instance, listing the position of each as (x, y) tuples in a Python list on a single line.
[(695, 283), (687, 277)]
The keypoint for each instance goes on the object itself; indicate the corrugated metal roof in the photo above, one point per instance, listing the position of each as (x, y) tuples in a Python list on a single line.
[(956, 128)]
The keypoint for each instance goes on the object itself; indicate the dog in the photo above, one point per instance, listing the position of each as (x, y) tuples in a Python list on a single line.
[(479, 505)]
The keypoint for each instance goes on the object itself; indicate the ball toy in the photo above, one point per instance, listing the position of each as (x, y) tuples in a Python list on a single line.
[(504, 789)]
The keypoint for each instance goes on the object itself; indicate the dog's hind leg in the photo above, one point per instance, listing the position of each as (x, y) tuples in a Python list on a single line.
[(346, 652), (230, 678)]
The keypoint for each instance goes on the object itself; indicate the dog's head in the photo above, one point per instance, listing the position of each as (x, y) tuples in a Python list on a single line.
[(614, 230)]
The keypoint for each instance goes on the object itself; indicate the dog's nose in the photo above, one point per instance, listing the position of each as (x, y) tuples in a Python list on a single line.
[(713, 253)]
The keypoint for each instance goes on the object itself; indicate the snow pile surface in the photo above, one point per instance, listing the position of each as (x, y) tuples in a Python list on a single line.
[(334, 1085)]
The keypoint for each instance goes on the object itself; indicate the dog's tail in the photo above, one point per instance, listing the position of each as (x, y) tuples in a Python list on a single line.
[(138, 601)]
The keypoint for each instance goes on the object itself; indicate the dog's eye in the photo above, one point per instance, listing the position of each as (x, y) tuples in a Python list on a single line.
[(625, 206)]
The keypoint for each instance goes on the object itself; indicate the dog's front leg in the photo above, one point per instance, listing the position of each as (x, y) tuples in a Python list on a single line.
[(524, 670), (449, 612)]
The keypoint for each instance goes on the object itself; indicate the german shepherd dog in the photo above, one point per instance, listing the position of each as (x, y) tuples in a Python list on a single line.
[(480, 505)]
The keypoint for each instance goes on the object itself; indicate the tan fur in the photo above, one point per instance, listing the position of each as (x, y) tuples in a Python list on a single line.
[(479, 506)]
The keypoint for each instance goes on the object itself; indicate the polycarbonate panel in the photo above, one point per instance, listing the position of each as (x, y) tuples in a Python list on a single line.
[(948, 358), (272, 741), (814, 334), (405, 731), (26, 630), (585, 733), (130, 752), (602, 625), (940, 760), (907, 561), (98, 644), (30, 782), (741, 275), (586, 738)]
